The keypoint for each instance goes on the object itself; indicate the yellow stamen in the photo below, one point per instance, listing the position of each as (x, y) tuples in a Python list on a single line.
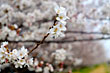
[(11, 53), (21, 54), (61, 17), (21, 60), (56, 29), (8, 55), (61, 26)]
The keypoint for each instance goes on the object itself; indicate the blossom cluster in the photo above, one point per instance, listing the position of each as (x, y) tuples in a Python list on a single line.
[(105, 26), (60, 24), (20, 59), (21, 10), (23, 4), (59, 55), (13, 16)]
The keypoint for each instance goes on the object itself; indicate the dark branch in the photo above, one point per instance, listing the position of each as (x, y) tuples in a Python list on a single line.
[(61, 41), (85, 32), (42, 41)]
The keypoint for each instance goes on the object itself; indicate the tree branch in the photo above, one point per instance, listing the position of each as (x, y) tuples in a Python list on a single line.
[(85, 32), (41, 42), (37, 45), (62, 41)]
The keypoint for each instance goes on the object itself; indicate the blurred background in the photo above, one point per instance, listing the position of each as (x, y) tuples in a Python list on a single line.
[(25, 22)]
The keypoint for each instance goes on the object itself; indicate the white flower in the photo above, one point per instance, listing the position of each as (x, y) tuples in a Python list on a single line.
[(4, 44), (51, 67), (62, 17), (77, 61), (55, 32), (36, 62), (22, 53), (14, 54), (16, 64), (33, 64), (4, 50), (1, 52), (61, 26), (30, 62), (15, 26), (46, 69), (7, 58), (59, 55), (21, 59), (30, 68), (4, 56), (20, 63), (11, 54), (5, 30), (61, 50), (12, 33), (59, 9), (5, 9), (38, 69), (2, 59)]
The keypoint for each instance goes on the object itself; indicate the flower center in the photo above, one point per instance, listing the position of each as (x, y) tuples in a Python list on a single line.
[(56, 29), (61, 26), (21, 54), (21, 60), (61, 17), (11, 53)]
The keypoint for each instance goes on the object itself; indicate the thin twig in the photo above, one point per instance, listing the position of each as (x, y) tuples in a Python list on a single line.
[(41, 42)]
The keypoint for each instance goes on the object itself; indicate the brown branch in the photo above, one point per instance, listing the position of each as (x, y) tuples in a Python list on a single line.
[(65, 41), (85, 32), (62, 41), (37, 45), (41, 42)]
